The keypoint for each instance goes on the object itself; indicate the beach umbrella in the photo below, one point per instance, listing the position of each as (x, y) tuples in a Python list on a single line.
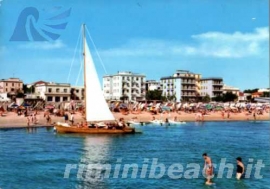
[(26, 105), (14, 106), (21, 107)]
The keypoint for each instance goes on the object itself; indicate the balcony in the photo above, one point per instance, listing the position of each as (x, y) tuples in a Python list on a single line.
[(189, 95), (188, 88), (188, 82), (217, 90), (217, 84)]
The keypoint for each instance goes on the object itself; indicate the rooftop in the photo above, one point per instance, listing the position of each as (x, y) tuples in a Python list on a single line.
[(125, 73), (211, 78), (12, 79)]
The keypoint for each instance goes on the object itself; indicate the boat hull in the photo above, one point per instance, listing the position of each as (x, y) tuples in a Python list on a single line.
[(71, 129)]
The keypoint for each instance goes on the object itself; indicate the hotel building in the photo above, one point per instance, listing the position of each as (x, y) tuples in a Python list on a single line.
[(53, 92), (184, 85), (11, 86), (124, 86), (212, 86), (151, 85), (231, 89)]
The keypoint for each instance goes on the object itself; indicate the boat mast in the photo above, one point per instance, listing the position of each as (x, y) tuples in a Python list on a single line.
[(84, 70)]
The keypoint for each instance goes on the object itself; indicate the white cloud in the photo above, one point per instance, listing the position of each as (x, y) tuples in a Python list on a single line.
[(210, 44), (44, 45), (234, 45)]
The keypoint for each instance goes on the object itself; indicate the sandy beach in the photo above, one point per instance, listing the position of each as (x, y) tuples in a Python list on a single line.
[(12, 120)]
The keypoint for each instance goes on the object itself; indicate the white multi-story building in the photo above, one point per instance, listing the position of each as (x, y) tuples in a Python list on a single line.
[(124, 86), (151, 85), (183, 85), (231, 89), (53, 92), (212, 86)]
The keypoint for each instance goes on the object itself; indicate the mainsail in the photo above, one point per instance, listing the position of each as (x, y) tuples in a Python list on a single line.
[(96, 106)]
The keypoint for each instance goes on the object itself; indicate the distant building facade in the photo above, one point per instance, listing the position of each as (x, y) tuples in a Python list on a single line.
[(184, 85), (11, 86), (53, 92), (151, 85), (78, 92), (124, 86), (212, 86), (231, 89)]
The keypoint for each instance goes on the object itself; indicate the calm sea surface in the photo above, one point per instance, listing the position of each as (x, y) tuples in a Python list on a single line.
[(37, 158)]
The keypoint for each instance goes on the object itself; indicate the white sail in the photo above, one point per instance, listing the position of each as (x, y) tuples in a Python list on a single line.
[(96, 106)]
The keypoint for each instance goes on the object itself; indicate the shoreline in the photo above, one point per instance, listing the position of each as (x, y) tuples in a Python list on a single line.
[(12, 120)]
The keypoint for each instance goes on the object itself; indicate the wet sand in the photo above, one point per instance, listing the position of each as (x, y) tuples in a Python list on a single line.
[(12, 120)]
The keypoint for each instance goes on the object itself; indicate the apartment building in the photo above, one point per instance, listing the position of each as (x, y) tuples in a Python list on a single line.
[(124, 86), (234, 90), (212, 86), (11, 85), (183, 84), (53, 92), (151, 85)]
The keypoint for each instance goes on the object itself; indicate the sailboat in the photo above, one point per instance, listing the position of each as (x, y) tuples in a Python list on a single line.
[(97, 111)]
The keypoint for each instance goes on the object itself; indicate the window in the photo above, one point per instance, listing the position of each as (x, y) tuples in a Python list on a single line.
[(57, 99), (6, 84), (49, 90), (65, 98), (57, 90), (49, 98), (65, 90), (77, 91), (12, 84)]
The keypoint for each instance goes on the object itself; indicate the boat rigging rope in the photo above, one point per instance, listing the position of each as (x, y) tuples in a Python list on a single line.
[(96, 51), (75, 51)]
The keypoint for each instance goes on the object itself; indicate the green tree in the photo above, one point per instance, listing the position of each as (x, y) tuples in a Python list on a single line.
[(171, 98), (27, 89), (266, 94), (251, 90), (218, 98), (229, 96), (206, 98), (154, 95)]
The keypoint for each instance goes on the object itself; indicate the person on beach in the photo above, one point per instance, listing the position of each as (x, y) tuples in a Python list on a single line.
[(222, 114), (48, 119), (28, 121), (240, 168), (66, 117), (72, 119), (228, 115), (208, 169), (254, 115), (32, 118)]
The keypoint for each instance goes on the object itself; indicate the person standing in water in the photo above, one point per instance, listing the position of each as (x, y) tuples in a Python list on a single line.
[(208, 169), (240, 168)]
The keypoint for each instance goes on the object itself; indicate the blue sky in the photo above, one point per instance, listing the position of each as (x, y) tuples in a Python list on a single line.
[(223, 38)]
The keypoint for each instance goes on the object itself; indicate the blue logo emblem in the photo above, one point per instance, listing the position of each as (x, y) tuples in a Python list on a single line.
[(31, 26)]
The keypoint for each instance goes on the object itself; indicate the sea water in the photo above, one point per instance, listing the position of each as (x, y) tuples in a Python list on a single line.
[(41, 158)]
